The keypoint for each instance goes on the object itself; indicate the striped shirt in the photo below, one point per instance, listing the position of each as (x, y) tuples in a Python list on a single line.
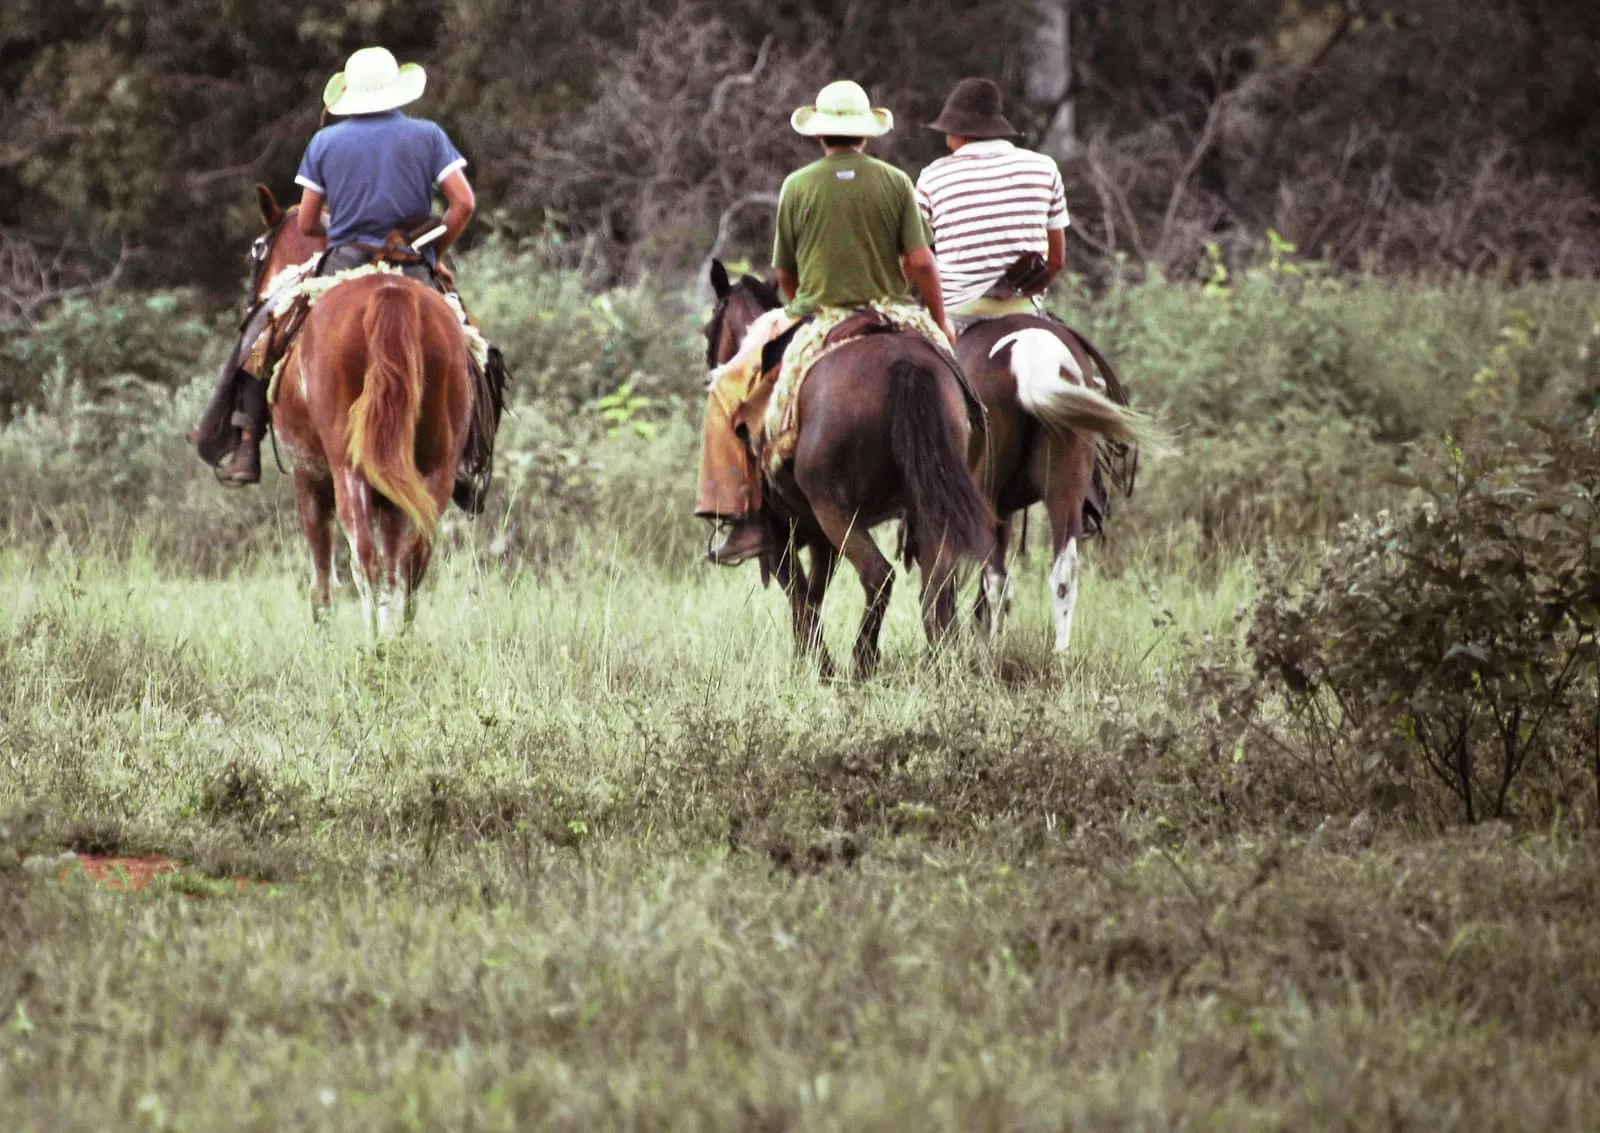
[(988, 203)]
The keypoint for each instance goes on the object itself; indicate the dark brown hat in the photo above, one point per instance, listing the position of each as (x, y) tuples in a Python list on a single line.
[(973, 111)]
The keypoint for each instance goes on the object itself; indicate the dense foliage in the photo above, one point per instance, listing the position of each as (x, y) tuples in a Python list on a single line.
[(637, 134)]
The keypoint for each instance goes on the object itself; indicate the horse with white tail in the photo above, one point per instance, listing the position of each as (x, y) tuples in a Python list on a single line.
[(1060, 432)]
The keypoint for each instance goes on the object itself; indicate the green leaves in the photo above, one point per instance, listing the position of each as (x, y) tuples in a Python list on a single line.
[(1464, 624)]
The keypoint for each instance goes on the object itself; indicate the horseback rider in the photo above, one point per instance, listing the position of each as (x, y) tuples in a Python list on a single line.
[(849, 235), (998, 211), (363, 178)]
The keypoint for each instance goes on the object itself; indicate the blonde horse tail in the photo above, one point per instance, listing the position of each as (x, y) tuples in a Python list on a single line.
[(1050, 387), (382, 432)]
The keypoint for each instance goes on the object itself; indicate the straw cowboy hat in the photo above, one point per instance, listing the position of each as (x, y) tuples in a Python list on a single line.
[(842, 110), (973, 111), (372, 81)]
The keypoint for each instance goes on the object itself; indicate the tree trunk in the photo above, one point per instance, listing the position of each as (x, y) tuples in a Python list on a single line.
[(1047, 78)]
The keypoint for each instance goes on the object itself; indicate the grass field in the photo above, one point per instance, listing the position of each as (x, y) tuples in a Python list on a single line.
[(589, 850)]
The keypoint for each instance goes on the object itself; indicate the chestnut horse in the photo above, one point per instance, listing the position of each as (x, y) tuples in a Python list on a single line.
[(373, 403), (1033, 375), (883, 433)]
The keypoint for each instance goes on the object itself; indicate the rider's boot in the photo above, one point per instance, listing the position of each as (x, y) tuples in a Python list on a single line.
[(730, 490), (250, 416)]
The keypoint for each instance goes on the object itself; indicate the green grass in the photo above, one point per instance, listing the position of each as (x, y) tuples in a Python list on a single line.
[(590, 850)]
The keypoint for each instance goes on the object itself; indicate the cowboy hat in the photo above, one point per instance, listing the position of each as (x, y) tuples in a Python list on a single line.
[(973, 111), (372, 81), (842, 110)]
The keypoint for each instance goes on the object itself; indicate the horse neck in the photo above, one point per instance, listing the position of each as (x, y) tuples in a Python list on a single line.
[(740, 317)]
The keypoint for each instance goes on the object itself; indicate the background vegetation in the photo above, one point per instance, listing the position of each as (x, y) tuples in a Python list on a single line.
[(634, 135), (1301, 834)]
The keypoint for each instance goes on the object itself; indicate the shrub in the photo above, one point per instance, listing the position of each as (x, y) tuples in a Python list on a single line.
[(1451, 641), (100, 346)]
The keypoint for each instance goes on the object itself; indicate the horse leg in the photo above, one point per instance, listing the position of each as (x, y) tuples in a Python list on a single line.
[(994, 595), (877, 579), (938, 593), (394, 592), (1071, 468), (824, 561), (413, 567), (804, 590), (314, 500), (353, 496)]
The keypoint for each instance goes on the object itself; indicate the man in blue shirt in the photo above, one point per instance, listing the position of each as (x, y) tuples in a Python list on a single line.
[(373, 172)]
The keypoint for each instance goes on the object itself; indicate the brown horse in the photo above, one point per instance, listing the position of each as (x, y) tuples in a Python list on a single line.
[(883, 433), (1033, 375), (372, 406)]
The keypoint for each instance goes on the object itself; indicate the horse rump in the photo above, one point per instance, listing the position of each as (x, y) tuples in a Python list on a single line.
[(944, 506)]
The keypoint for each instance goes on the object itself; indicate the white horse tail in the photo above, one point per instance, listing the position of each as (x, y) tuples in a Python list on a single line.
[(1052, 387)]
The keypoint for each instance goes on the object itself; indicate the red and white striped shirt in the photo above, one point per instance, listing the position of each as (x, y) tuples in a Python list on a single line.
[(988, 203)]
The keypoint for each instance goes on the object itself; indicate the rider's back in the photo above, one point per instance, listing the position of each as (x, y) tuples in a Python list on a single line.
[(844, 222), (375, 171)]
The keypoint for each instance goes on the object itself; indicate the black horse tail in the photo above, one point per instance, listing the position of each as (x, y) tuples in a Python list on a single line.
[(944, 505)]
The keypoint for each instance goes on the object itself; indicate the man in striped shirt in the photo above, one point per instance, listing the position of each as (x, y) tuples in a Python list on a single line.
[(989, 203)]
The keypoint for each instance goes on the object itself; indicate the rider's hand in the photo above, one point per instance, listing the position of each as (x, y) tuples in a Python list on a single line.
[(949, 331), (446, 276)]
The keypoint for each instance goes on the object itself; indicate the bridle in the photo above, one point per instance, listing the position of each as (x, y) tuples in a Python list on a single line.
[(260, 254)]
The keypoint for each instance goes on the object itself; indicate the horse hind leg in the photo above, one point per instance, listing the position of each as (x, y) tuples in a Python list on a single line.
[(394, 599), (877, 579), (995, 590), (314, 501), (1070, 472), (938, 593), (1064, 592), (353, 497), (808, 629)]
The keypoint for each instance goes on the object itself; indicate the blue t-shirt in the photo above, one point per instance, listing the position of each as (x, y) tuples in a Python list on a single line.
[(376, 170)]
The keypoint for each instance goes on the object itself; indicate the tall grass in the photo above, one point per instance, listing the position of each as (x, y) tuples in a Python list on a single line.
[(591, 849)]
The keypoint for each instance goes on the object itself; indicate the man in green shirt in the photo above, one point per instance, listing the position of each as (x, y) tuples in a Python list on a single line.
[(850, 234)]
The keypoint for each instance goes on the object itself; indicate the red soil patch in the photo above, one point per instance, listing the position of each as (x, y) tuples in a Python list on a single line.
[(131, 874)]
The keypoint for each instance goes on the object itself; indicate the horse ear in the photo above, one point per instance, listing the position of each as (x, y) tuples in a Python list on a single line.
[(270, 212), (719, 279)]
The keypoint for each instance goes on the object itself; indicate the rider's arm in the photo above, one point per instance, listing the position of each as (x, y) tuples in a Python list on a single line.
[(310, 215), (1056, 258), (788, 283), (461, 204), (923, 270)]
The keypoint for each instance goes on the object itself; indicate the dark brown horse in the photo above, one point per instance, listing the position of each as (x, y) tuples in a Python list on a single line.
[(372, 406), (883, 434), (1034, 376)]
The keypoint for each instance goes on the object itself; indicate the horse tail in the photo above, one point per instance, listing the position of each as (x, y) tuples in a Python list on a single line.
[(383, 420), (944, 503), (1050, 388)]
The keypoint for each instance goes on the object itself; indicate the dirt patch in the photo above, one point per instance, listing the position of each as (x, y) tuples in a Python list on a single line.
[(129, 874), (133, 875)]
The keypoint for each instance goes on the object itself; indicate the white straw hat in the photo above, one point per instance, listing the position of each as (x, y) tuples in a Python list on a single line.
[(372, 81), (842, 110)]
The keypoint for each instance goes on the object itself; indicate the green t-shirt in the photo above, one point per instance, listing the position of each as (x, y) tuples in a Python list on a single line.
[(843, 224)]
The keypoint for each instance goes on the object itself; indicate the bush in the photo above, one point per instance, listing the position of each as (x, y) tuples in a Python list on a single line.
[(1449, 644), (159, 339)]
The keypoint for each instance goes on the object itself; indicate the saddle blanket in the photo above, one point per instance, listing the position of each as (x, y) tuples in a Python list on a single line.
[(737, 383), (299, 287)]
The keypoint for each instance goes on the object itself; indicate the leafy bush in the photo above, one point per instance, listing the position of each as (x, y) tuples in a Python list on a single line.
[(1451, 643), (160, 339)]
